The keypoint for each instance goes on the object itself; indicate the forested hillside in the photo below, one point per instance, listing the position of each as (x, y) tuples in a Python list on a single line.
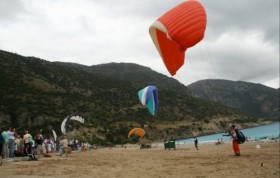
[(38, 94)]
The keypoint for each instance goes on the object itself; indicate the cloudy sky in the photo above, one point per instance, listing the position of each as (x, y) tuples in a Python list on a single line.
[(241, 41)]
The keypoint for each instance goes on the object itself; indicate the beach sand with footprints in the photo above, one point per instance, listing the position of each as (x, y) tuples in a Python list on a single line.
[(156, 162)]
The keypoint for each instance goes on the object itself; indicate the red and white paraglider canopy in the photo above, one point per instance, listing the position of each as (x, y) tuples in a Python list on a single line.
[(177, 30)]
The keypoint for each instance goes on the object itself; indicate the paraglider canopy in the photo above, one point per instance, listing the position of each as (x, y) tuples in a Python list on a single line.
[(178, 29), (54, 135), (136, 131), (148, 96), (66, 121)]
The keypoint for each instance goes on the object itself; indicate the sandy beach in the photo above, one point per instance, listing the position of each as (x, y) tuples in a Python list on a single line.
[(209, 161)]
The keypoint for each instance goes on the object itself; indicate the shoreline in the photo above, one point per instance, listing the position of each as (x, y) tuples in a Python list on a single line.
[(213, 133)]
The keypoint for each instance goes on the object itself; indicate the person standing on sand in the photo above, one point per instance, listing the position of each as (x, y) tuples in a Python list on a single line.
[(27, 138), (11, 141), (196, 143), (2, 141), (5, 148), (235, 145), (64, 144), (38, 142)]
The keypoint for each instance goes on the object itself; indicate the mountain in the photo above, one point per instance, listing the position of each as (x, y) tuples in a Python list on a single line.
[(132, 73), (38, 94), (252, 99)]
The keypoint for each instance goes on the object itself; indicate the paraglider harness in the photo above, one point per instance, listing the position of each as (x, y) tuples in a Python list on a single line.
[(240, 136)]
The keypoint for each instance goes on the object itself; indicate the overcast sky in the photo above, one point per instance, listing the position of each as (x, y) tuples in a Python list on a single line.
[(241, 41)]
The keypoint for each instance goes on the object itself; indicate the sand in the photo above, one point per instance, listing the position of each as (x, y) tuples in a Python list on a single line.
[(209, 161)]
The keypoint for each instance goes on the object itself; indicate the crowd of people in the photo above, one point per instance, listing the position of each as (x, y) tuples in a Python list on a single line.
[(13, 145)]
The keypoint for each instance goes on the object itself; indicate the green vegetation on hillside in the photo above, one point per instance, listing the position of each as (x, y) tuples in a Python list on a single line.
[(37, 94)]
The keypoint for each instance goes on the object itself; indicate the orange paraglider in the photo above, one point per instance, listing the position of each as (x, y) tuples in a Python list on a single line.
[(136, 131), (178, 29)]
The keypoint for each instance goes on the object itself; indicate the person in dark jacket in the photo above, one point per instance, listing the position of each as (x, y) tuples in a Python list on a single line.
[(1, 142), (196, 143)]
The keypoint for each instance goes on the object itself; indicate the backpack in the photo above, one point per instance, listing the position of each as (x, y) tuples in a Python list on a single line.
[(240, 136)]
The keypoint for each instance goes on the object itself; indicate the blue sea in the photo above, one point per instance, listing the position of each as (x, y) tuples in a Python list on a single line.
[(255, 133)]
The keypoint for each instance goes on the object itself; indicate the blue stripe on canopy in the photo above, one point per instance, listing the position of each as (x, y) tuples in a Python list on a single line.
[(149, 97)]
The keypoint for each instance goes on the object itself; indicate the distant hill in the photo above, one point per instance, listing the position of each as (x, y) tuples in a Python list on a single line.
[(130, 72), (38, 94), (252, 99)]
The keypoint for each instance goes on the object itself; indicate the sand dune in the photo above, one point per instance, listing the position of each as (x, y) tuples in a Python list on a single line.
[(209, 161)]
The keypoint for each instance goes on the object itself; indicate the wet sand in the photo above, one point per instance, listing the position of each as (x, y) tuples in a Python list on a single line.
[(210, 161)]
